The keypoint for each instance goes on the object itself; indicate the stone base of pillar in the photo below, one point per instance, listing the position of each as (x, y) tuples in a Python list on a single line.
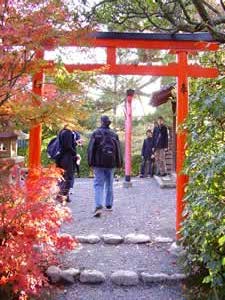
[(127, 184), (166, 182)]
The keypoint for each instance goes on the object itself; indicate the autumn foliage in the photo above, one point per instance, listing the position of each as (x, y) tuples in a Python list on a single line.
[(27, 29), (30, 221)]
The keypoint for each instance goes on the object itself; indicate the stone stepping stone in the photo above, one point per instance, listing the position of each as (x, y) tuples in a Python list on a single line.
[(178, 276), (135, 238), (88, 239), (112, 239), (54, 274), (70, 275), (92, 276), (161, 239), (125, 278), (176, 250), (148, 278)]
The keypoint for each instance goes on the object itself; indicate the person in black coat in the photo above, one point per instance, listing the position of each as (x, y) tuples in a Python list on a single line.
[(66, 161), (104, 155), (147, 155), (160, 145)]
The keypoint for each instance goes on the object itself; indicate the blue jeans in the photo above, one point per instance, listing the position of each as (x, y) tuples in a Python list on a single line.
[(103, 183)]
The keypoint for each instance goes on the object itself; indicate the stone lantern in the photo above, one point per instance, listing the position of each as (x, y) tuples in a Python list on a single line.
[(8, 149), (8, 144)]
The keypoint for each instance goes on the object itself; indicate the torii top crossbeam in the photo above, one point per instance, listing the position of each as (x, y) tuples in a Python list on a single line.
[(190, 43), (179, 44), (178, 41)]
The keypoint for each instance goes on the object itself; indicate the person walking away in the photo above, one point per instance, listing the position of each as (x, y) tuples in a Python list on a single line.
[(78, 142), (66, 161), (160, 146), (104, 155), (147, 155)]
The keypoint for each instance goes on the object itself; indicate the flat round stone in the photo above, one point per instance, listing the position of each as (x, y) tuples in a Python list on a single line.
[(92, 276), (125, 278), (161, 239), (176, 250), (178, 276), (135, 238), (54, 274), (152, 278), (112, 239), (70, 275), (88, 239)]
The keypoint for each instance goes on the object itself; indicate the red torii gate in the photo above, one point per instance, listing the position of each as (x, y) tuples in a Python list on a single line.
[(179, 44)]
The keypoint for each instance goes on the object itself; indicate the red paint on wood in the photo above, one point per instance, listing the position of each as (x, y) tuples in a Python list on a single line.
[(122, 69), (182, 113), (35, 132), (143, 44), (111, 56), (128, 135)]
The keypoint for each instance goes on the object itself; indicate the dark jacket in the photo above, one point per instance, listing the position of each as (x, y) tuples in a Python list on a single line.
[(68, 150), (160, 137), (147, 148), (95, 151)]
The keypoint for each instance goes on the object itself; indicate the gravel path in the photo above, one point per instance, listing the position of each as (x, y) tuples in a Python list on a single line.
[(144, 208), (111, 292)]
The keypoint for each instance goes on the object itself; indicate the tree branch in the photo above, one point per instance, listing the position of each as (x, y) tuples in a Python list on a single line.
[(211, 7), (186, 13), (222, 4), (202, 11)]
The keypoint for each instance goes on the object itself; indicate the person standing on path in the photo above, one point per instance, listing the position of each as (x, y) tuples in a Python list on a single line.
[(160, 145), (66, 161), (104, 155), (147, 155)]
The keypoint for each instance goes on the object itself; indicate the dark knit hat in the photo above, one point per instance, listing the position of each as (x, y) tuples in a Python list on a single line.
[(105, 120)]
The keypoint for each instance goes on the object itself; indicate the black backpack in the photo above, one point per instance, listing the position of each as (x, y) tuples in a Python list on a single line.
[(108, 149), (54, 149)]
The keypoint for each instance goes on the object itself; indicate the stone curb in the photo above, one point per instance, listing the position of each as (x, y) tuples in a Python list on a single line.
[(125, 278), (148, 278), (88, 239), (92, 277), (114, 239), (118, 277), (166, 183)]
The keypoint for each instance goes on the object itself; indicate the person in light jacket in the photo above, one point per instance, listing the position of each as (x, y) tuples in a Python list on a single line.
[(160, 146)]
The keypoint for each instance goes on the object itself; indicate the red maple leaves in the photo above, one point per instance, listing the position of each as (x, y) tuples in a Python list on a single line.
[(30, 221)]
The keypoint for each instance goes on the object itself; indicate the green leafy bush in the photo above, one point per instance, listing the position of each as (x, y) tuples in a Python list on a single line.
[(204, 224), (85, 171)]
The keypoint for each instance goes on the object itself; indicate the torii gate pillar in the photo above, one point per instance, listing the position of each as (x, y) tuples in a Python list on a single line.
[(36, 131), (128, 137), (182, 113)]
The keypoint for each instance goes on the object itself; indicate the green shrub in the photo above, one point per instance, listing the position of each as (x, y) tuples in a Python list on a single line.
[(136, 163), (85, 171), (204, 225)]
